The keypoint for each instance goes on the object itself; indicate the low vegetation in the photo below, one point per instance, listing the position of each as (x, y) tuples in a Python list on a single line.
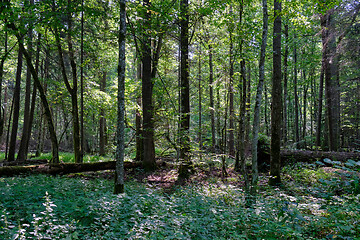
[(316, 201)]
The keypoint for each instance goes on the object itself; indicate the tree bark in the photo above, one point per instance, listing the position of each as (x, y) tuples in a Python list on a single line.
[(16, 109), (285, 75), (120, 146), (147, 93), (276, 96), (211, 96), (102, 121), (231, 89), (47, 111), (185, 90), (200, 101), (256, 123), (296, 99), (26, 132), (332, 87)]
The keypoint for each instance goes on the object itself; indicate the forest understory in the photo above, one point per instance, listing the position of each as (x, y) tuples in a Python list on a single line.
[(318, 200)]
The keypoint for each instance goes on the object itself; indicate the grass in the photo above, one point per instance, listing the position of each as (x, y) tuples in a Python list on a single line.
[(305, 207)]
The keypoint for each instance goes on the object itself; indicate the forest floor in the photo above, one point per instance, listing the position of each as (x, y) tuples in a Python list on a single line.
[(316, 201)]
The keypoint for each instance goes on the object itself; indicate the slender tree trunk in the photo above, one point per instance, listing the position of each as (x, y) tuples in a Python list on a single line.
[(72, 90), (256, 123), (200, 99), (276, 103), (147, 93), (231, 90), (185, 91), (74, 98), (306, 87), (26, 131), (119, 171), (47, 111), (211, 96), (2, 62), (34, 94), (102, 121), (285, 75), (16, 110), (82, 135), (139, 138), (296, 124), (321, 90)]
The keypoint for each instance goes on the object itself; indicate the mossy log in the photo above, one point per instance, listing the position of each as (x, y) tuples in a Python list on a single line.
[(62, 168)]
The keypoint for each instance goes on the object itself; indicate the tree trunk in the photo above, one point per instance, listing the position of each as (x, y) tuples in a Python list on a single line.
[(2, 62), (147, 93), (231, 89), (285, 75), (200, 99), (72, 90), (54, 142), (296, 99), (276, 96), (120, 140), (16, 109), (256, 123), (332, 87), (102, 121), (185, 91), (26, 131), (82, 134), (211, 96)]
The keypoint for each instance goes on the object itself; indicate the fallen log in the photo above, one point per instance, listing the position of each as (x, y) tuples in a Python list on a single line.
[(292, 156), (63, 168), (26, 162)]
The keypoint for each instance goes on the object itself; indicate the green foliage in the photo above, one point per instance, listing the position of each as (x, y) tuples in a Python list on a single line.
[(73, 208)]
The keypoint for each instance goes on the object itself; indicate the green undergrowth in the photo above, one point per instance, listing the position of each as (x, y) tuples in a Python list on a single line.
[(47, 207)]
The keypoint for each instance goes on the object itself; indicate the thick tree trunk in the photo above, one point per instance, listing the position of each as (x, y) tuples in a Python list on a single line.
[(276, 96), (332, 87), (147, 93), (185, 90), (120, 139)]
